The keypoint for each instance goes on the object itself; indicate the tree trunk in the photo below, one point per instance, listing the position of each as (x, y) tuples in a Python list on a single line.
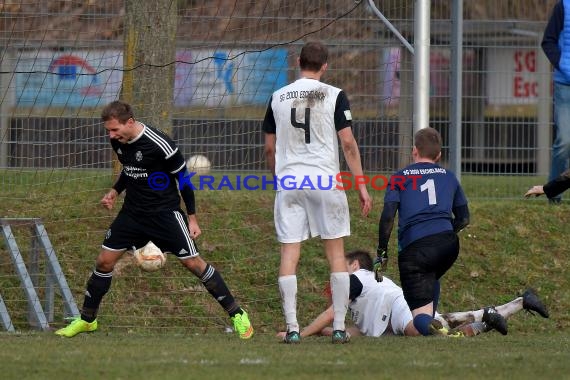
[(149, 56)]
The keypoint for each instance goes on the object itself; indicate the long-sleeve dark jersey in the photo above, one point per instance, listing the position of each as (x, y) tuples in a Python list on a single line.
[(151, 166)]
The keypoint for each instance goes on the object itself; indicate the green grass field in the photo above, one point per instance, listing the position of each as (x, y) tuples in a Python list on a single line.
[(163, 325), (107, 355)]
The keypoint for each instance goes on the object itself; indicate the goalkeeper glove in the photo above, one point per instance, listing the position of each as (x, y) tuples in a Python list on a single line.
[(380, 263)]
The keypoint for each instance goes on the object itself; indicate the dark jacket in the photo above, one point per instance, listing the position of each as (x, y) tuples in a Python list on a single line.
[(557, 185), (556, 41)]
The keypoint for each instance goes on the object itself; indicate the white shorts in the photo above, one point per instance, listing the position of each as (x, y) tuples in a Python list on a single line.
[(401, 315), (300, 214)]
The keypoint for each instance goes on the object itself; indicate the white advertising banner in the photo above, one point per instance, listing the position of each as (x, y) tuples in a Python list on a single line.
[(511, 76)]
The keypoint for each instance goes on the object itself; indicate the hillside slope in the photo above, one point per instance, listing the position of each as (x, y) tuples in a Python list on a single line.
[(509, 246)]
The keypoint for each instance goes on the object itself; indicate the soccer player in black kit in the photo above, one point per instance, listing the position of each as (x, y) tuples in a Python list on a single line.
[(151, 164)]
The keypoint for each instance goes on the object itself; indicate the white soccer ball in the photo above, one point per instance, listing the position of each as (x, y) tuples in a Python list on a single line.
[(150, 258), (198, 164)]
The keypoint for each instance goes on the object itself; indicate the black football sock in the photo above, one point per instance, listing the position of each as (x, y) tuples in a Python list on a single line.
[(97, 286), (214, 283)]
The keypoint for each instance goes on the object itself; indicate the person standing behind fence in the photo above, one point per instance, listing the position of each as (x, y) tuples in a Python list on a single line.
[(302, 126), (556, 46), (432, 209)]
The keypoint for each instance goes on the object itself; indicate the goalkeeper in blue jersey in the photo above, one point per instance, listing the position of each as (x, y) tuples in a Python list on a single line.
[(432, 209)]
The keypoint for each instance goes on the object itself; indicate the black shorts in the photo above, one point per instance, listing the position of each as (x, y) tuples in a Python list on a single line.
[(168, 231), (422, 263)]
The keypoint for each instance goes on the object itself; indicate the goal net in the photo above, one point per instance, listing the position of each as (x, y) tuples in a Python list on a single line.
[(62, 61)]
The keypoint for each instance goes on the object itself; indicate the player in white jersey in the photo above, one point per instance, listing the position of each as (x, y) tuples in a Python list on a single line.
[(303, 125), (379, 308), (378, 305)]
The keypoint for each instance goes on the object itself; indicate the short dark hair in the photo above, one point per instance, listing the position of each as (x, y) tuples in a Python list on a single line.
[(428, 143), (117, 110), (313, 56), (363, 258)]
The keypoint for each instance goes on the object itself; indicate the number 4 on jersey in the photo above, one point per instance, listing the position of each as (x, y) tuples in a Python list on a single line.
[(304, 126)]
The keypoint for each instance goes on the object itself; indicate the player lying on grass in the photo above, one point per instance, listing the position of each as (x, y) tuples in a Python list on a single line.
[(553, 188), (379, 308)]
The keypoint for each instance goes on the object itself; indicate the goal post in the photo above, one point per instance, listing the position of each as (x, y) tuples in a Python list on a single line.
[(419, 85)]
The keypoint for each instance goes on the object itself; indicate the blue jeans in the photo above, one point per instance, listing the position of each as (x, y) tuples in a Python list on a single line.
[(561, 145)]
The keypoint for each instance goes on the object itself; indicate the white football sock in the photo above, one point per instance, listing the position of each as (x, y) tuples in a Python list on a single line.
[(288, 290), (510, 308), (340, 287)]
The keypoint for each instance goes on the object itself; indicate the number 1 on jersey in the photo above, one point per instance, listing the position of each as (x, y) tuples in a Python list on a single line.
[(429, 185), (304, 126)]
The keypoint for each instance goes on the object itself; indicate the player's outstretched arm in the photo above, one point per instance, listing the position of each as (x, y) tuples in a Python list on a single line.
[(320, 323), (318, 326)]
